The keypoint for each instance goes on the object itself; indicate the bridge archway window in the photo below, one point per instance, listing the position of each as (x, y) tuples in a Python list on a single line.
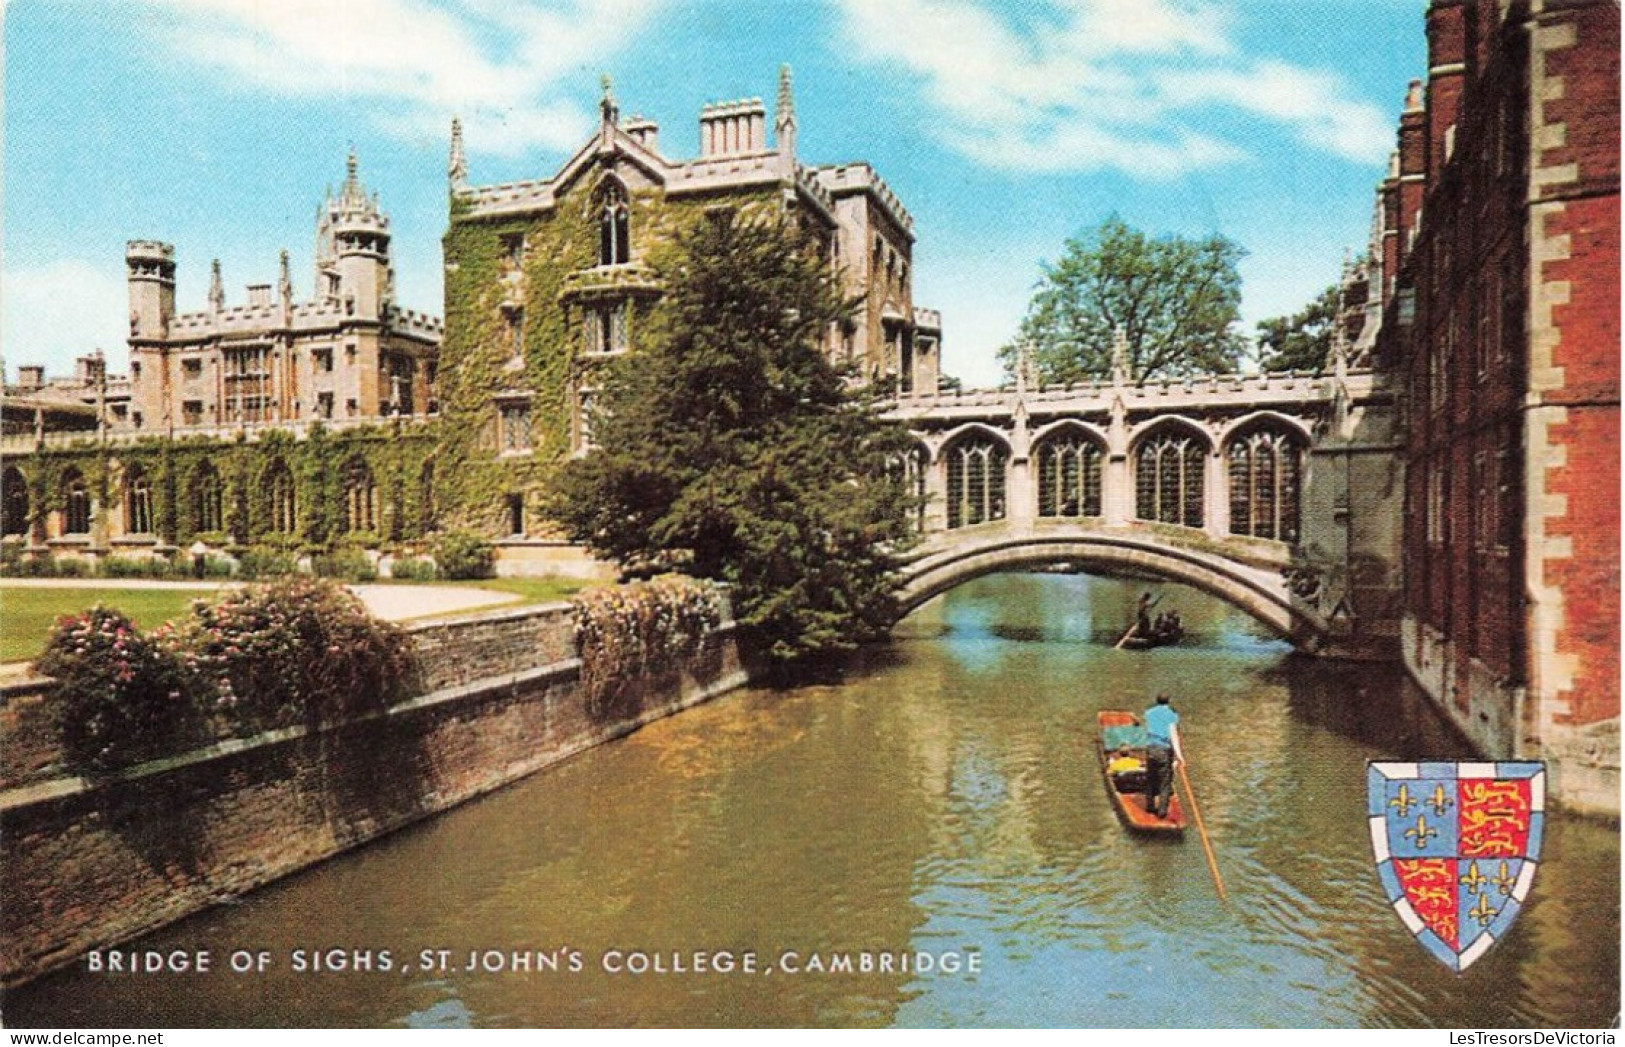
[(13, 502), (1266, 485), (976, 482), (1069, 476), (76, 504), (1168, 479)]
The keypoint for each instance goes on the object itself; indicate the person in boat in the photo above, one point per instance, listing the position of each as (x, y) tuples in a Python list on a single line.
[(1125, 762), (1161, 725), (1142, 615)]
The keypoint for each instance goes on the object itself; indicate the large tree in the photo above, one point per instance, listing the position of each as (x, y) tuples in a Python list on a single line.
[(1176, 301), (1302, 341), (729, 448)]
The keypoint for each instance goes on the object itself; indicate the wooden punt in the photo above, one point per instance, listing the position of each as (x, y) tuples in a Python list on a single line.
[(1117, 729)]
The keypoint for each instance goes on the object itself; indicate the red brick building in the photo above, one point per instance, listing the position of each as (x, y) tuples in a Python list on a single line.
[(1498, 270)]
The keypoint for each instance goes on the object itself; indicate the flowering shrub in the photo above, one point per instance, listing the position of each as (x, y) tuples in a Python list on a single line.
[(123, 697), (638, 630), (296, 649)]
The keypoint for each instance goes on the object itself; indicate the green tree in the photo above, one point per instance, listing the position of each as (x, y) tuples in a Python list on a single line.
[(1176, 300), (1302, 341), (730, 449)]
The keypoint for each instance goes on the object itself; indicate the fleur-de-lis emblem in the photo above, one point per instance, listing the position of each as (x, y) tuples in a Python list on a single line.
[(1474, 881), (1421, 832), (1505, 881), (1439, 801), (1403, 801), (1482, 911)]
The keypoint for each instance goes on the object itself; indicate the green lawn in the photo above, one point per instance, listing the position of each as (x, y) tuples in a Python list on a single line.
[(532, 590), (26, 615)]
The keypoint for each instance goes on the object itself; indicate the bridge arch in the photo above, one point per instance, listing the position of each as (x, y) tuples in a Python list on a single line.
[(1259, 592)]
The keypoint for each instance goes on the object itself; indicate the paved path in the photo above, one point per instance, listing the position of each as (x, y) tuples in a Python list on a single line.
[(392, 602), (395, 602)]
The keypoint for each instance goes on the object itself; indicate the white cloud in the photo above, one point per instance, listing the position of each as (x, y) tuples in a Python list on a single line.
[(1078, 85), (411, 64), (55, 312)]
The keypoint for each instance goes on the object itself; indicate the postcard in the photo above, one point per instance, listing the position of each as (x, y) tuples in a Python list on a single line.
[(914, 514)]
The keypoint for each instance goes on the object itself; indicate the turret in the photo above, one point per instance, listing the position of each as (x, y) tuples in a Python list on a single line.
[(784, 124), (352, 249), (150, 269)]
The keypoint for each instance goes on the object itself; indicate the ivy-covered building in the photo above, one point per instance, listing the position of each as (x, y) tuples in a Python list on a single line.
[(547, 279)]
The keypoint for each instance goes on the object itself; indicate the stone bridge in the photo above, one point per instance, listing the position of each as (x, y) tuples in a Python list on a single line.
[(1277, 493)]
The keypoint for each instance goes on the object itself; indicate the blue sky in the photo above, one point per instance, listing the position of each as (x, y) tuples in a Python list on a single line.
[(1004, 126)]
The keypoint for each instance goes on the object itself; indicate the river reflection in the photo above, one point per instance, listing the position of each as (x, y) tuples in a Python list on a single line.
[(945, 800)]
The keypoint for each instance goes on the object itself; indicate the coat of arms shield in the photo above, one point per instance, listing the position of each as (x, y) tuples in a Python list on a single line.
[(1457, 845)]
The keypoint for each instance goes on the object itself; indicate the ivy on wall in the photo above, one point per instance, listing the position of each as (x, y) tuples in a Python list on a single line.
[(243, 469), (477, 352)]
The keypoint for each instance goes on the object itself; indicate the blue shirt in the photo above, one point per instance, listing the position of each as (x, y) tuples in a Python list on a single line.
[(1159, 724)]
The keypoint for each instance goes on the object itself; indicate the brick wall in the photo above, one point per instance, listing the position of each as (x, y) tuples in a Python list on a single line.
[(89, 866)]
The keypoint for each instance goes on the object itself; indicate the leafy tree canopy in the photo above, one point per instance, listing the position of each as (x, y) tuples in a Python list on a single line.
[(729, 448), (1302, 341), (1176, 300)]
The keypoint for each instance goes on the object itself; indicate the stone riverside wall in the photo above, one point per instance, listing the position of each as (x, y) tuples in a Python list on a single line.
[(84, 866)]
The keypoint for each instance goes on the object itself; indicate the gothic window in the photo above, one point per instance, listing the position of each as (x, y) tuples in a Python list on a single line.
[(360, 497), (206, 512), (614, 225), (1069, 475), (516, 333), (278, 481), (514, 420), (191, 412), (607, 328), (137, 502), (1266, 484), (976, 465), (909, 469), (1168, 479), (76, 504), (905, 364), (13, 502), (1437, 529), (516, 514)]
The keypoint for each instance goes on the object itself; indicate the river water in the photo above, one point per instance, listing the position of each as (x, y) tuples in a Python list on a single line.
[(942, 800)]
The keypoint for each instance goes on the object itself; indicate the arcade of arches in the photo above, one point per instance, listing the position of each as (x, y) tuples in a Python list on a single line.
[(1249, 485)]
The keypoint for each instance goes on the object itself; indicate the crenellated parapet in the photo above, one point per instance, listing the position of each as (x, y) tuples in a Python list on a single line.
[(847, 179)]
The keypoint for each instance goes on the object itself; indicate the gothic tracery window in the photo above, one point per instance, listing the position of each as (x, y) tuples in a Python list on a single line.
[(13, 502), (278, 480), (206, 499), (1069, 476), (1266, 484), (76, 504), (614, 225), (137, 502), (360, 497), (976, 482), (1168, 479)]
